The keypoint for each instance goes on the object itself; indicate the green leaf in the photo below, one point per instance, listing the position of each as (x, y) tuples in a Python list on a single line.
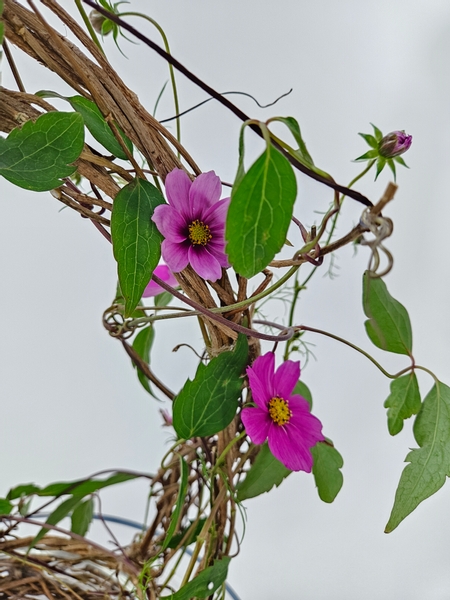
[(82, 517), (264, 473), (388, 326), (369, 155), (208, 404), (377, 132), (260, 213), (303, 390), (175, 516), (400, 161), (163, 299), (39, 154), (84, 487), (5, 506), (429, 464), (193, 535), (142, 344), (22, 490), (99, 128), (62, 511), (381, 163), (205, 584), (403, 401), (135, 238), (369, 139), (326, 470)]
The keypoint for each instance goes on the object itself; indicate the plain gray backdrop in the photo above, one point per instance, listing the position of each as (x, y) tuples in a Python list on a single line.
[(70, 401)]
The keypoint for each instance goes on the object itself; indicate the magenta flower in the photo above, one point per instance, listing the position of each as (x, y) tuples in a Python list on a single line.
[(394, 143), (280, 416), (164, 273), (193, 224)]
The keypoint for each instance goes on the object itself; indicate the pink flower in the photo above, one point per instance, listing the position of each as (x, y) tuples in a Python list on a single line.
[(164, 273), (280, 416), (193, 224), (394, 143)]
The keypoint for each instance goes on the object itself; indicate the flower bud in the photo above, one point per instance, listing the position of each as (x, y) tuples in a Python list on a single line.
[(394, 143), (97, 21)]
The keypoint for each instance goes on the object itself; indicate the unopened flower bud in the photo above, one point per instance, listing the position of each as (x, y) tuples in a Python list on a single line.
[(97, 20), (394, 143)]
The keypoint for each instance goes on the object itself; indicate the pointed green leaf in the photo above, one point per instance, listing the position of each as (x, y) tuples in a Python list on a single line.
[(208, 404), (429, 464), (22, 490), (327, 470), (391, 165), (39, 154), (142, 344), (388, 326), (135, 238), (175, 516), (264, 473), (82, 517), (303, 390), (377, 132), (99, 128), (369, 155), (62, 511), (194, 532), (400, 161), (381, 163), (403, 401), (84, 486), (260, 213), (5, 506), (205, 584), (370, 140)]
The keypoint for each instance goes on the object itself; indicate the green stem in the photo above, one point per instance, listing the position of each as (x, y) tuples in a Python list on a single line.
[(171, 71), (230, 444), (88, 24)]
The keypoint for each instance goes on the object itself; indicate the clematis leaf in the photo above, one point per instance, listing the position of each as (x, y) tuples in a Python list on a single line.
[(175, 516), (265, 472), (208, 404), (205, 584), (22, 490), (62, 511), (327, 470), (5, 506), (143, 344), (84, 487), (135, 238), (39, 154), (303, 390), (429, 465), (403, 401), (82, 517), (260, 212), (388, 326)]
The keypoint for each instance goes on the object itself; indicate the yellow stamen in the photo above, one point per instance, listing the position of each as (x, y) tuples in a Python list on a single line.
[(279, 411), (199, 233)]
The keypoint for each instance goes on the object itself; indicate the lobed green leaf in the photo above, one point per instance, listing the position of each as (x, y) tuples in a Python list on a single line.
[(265, 473), (327, 467), (38, 155), (388, 326), (135, 238), (428, 465), (260, 212), (403, 401), (208, 404), (205, 584)]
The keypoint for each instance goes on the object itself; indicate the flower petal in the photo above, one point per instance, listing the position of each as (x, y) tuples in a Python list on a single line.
[(178, 185), (285, 378), (293, 455), (170, 223), (204, 192), (218, 251), (216, 215), (175, 255), (260, 379), (204, 263), (256, 423), (306, 428), (164, 273)]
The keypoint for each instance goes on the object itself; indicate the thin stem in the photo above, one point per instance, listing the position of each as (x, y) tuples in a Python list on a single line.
[(13, 67), (227, 448), (171, 71), (88, 24)]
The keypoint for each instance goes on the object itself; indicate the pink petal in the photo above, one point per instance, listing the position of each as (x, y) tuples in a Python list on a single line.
[(256, 423), (204, 263), (178, 185), (259, 379), (303, 425), (175, 255), (170, 223), (218, 251), (293, 455), (204, 192), (217, 214), (285, 378), (164, 273)]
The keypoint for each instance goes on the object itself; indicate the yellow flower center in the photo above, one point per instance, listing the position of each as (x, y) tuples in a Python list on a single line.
[(279, 411), (199, 233)]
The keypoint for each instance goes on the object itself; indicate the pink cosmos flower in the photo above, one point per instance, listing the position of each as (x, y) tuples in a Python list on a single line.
[(193, 224), (164, 273), (280, 416)]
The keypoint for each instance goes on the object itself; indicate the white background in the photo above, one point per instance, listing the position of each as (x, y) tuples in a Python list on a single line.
[(70, 401)]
